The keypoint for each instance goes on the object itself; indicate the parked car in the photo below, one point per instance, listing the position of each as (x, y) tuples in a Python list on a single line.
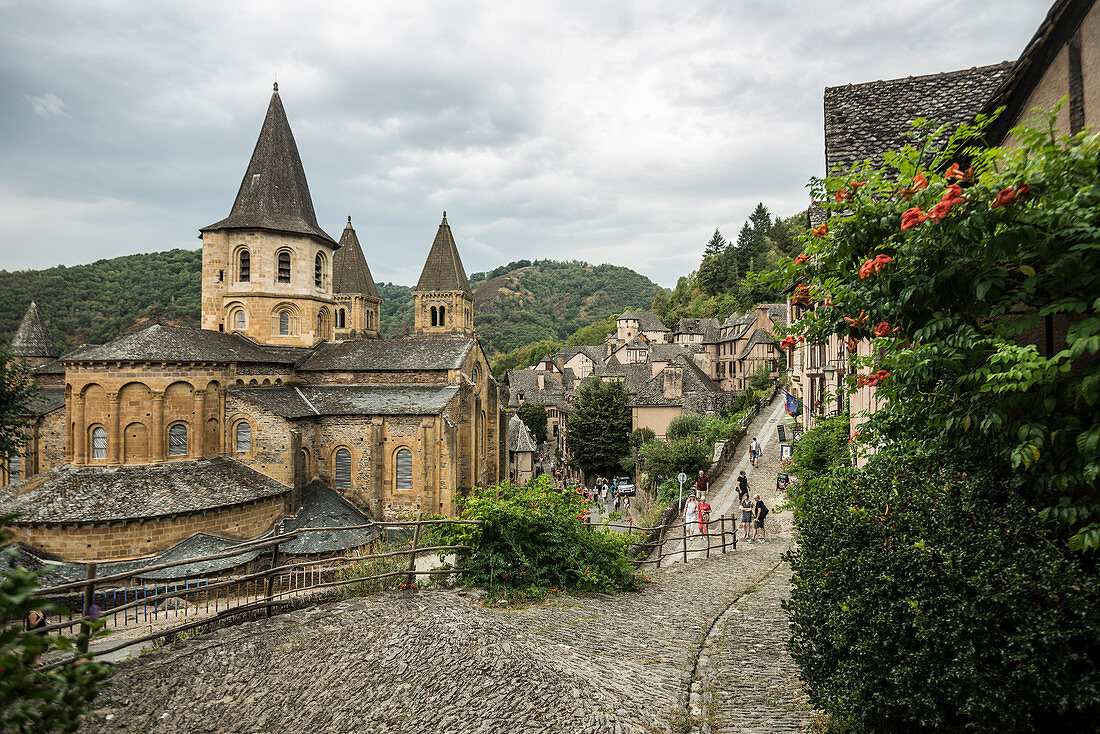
[(626, 485)]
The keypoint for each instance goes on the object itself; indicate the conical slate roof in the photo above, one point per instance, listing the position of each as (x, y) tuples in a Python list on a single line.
[(350, 273), (32, 339), (274, 193), (443, 269)]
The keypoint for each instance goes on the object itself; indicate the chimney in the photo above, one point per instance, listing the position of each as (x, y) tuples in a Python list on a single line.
[(542, 381), (763, 321), (674, 381)]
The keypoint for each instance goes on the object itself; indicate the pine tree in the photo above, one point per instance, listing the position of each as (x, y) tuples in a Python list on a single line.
[(716, 245)]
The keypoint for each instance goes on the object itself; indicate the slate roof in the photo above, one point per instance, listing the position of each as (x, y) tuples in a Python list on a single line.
[(46, 400), (350, 273), (323, 507), (699, 394), (633, 376), (443, 269), (274, 194), (778, 313), (390, 355), (50, 368), (626, 315), (669, 352), (694, 326), (760, 336), (70, 494), (519, 437), (307, 401), (862, 121), (527, 383), (649, 321), (32, 338), (160, 343)]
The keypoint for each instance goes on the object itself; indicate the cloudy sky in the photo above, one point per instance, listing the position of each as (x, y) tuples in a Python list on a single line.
[(619, 132)]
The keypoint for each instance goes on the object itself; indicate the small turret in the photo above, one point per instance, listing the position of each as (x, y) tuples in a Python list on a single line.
[(32, 342), (442, 300), (358, 304)]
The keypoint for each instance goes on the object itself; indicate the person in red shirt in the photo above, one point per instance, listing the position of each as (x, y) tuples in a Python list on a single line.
[(704, 513), (701, 484)]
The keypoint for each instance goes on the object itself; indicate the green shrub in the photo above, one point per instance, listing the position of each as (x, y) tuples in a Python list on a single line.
[(822, 448), (926, 598), (533, 537), (684, 426)]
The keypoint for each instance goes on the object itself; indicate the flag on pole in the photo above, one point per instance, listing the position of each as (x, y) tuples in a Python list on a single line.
[(791, 403)]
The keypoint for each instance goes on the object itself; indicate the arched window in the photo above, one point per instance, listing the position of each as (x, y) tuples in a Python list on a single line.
[(370, 319), (177, 439), (99, 442), (244, 436), (319, 270), (403, 470), (284, 266), (442, 315), (244, 267), (435, 317), (284, 323), (15, 468), (239, 320), (342, 471), (321, 324), (340, 318)]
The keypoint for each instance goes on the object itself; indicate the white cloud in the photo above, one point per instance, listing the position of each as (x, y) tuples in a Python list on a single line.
[(48, 105)]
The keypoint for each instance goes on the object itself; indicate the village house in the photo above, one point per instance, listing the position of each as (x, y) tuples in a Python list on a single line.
[(170, 431), (864, 121)]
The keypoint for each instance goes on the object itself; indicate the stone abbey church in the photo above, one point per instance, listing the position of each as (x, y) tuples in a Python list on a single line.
[(168, 431)]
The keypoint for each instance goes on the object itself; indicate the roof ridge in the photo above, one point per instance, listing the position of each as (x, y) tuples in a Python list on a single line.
[(922, 77)]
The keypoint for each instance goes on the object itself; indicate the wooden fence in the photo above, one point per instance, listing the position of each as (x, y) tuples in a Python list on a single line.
[(705, 540), (204, 600)]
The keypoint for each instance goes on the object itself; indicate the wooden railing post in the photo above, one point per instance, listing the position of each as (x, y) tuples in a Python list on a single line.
[(706, 527), (685, 526), (269, 583), (412, 553), (89, 600), (723, 521)]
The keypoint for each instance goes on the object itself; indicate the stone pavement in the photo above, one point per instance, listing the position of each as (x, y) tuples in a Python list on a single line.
[(441, 661)]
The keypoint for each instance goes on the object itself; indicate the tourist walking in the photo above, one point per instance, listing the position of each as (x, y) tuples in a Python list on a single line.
[(760, 511), (742, 486), (691, 517), (704, 514), (746, 515), (754, 452), (702, 484)]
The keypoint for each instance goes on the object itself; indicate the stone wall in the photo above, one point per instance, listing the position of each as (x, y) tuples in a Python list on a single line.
[(136, 538), (270, 453)]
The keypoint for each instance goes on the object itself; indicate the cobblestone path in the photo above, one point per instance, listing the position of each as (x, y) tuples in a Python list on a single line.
[(440, 661)]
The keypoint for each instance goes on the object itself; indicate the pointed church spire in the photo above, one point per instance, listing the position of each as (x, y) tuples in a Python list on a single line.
[(32, 338), (274, 194), (443, 269), (350, 273)]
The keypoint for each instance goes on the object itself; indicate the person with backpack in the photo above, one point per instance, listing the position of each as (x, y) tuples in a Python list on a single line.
[(760, 511), (754, 452)]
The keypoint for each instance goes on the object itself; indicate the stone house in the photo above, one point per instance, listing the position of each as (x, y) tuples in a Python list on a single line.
[(632, 324), (863, 121), (521, 451), (286, 383)]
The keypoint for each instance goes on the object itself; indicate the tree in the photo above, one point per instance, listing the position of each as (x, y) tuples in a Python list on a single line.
[(16, 389), (716, 245), (761, 378), (533, 416), (598, 431)]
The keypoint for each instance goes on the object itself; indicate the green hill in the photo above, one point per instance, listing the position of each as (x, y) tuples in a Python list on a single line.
[(515, 304)]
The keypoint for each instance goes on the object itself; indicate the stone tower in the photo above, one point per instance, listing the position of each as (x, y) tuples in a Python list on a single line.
[(267, 267), (442, 300), (358, 305), (32, 342)]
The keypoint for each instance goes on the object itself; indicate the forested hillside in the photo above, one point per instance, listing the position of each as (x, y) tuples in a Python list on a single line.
[(515, 304)]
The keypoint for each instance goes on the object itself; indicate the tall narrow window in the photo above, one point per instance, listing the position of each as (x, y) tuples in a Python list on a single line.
[(15, 468), (284, 267), (239, 320), (442, 315), (435, 317), (319, 271), (284, 324), (403, 469), (321, 324), (99, 442), (339, 318), (343, 469), (244, 271), (177, 440), (244, 436)]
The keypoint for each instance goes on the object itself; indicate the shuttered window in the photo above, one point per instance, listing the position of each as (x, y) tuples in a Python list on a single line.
[(244, 272), (343, 469), (99, 443), (284, 267), (244, 436), (404, 470), (177, 440), (319, 271), (15, 468)]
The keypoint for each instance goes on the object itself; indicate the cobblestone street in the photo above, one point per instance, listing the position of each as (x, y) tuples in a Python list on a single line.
[(441, 661)]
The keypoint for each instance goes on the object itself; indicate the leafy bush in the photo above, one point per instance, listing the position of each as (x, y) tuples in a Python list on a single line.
[(821, 449), (684, 426), (926, 598), (32, 701), (641, 436), (534, 417), (533, 537), (761, 378)]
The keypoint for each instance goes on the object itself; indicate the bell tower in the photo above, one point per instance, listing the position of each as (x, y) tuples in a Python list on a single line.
[(267, 267), (442, 301), (358, 305)]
